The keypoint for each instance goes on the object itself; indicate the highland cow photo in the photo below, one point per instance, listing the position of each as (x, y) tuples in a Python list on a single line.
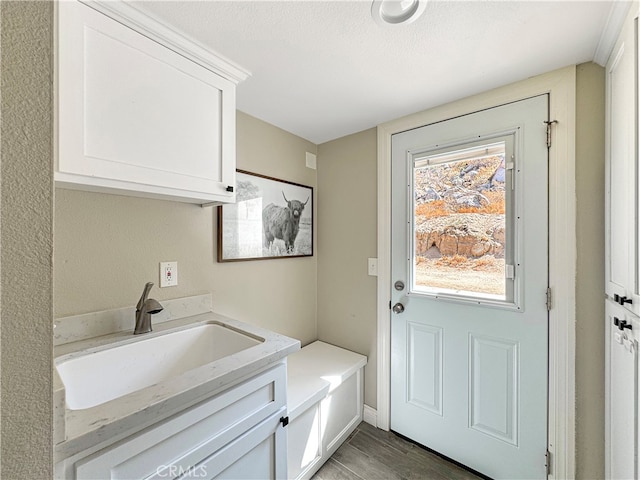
[(271, 218)]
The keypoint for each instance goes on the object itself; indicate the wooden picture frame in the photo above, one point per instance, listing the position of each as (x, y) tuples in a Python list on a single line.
[(272, 218)]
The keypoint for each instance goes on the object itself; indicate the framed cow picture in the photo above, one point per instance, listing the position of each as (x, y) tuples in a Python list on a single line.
[(271, 218)]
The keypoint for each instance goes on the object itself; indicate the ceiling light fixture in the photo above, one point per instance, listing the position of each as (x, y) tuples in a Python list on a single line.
[(397, 12)]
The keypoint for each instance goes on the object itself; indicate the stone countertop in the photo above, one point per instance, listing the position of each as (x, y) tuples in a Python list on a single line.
[(78, 430)]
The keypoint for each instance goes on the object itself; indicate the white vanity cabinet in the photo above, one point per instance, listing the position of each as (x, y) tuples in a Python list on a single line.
[(621, 233), (621, 408), (238, 434), (136, 116)]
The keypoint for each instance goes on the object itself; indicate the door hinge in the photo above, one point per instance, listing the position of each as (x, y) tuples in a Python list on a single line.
[(549, 298), (547, 462), (284, 421), (549, 123)]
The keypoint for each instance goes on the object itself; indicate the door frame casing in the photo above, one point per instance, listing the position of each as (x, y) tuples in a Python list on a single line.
[(561, 87)]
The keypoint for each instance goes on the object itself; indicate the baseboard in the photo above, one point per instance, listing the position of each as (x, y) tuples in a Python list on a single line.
[(370, 415)]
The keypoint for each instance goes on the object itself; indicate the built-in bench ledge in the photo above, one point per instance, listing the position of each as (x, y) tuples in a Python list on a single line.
[(325, 402)]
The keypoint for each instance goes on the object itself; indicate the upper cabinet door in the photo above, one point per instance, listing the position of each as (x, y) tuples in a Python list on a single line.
[(137, 118), (621, 170)]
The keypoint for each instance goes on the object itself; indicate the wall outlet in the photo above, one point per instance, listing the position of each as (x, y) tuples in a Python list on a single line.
[(372, 267), (168, 274)]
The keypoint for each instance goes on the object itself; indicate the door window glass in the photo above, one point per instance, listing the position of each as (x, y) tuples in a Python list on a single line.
[(460, 204)]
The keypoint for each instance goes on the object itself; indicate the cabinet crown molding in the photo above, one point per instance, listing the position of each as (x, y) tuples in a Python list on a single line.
[(617, 14), (170, 37)]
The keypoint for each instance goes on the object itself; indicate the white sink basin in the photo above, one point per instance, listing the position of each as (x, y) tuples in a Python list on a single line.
[(97, 377)]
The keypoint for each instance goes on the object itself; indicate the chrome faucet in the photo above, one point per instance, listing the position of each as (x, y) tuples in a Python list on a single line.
[(145, 308)]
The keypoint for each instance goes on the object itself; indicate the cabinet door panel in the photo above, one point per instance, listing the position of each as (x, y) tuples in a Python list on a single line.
[(304, 442), (621, 171), (260, 454), (621, 399), (141, 110)]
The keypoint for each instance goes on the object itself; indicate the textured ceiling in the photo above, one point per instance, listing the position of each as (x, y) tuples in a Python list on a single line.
[(325, 69)]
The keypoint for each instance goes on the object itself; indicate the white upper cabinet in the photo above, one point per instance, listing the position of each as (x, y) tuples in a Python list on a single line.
[(621, 170), (135, 117)]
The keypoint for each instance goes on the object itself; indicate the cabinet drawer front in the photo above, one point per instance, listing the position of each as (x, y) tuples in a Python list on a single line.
[(131, 110), (189, 437)]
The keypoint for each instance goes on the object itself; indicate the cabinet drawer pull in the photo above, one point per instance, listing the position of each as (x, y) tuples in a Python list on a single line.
[(621, 300), (622, 324)]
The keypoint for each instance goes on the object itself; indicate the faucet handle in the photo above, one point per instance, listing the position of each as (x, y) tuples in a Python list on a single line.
[(144, 295), (146, 308)]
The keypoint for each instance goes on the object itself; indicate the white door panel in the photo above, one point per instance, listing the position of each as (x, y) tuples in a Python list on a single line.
[(470, 244), (621, 173)]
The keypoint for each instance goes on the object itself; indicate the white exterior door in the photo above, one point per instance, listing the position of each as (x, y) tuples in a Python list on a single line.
[(469, 326)]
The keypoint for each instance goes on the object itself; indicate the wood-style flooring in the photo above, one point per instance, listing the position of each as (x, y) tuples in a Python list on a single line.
[(373, 454)]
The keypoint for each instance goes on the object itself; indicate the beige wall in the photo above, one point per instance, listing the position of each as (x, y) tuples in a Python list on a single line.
[(26, 196), (590, 185), (108, 246), (347, 225)]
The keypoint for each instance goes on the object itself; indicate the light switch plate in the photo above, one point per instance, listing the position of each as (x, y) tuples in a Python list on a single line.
[(372, 267)]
